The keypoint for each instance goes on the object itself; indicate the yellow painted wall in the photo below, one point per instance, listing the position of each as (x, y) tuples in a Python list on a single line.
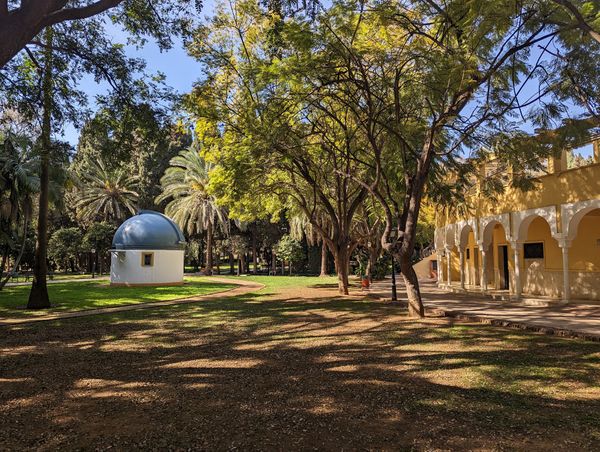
[(544, 276), (554, 189), (541, 276), (472, 263), (584, 254)]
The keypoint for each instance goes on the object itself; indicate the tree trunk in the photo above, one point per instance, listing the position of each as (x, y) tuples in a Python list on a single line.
[(19, 257), (412, 207), (290, 269), (342, 260), (323, 260), (373, 256), (20, 25), (38, 297), (209, 249), (273, 262), (415, 305), (218, 263), (254, 263), (243, 263), (231, 264)]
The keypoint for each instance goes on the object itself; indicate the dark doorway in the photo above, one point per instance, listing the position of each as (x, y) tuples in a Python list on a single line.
[(504, 279)]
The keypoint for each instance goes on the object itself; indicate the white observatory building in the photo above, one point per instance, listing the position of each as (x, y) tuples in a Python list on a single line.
[(147, 250)]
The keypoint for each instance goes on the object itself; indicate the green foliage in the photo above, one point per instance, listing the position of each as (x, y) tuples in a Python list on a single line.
[(238, 244), (193, 250), (139, 138), (102, 193), (64, 245), (19, 182), (185, 187), (290, 250), (99, 237)]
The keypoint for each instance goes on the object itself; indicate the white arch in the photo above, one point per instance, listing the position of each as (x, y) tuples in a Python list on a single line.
[(573, 213), (487, 225), (462, 232), (522, 220)]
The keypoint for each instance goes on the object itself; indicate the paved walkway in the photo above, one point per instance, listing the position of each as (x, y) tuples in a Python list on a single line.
[(54, 281), (243, 287), (579, 318)]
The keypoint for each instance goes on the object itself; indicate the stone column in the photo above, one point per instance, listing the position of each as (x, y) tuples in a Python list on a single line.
[(462, 268), (449, 265), (440, 279), (483, 270), (565, 245), (516, 246)]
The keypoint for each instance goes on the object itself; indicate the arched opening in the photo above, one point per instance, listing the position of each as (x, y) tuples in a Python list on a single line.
[(584, 254), (541, 258), (497, 266)]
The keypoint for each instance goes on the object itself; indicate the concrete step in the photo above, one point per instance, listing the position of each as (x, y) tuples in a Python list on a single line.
[(490, 295), (541, 302)]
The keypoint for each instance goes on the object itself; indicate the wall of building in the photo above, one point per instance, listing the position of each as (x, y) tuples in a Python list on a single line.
[(540, 277), (556, 194), (127, 269)]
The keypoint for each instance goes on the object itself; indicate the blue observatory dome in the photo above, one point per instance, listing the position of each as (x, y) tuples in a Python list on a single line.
[(148, 230)]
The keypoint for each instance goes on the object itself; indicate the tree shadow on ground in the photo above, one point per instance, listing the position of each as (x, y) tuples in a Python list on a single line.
[(291, 373)]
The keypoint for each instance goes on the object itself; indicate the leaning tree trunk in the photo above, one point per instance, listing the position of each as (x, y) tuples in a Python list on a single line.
[(413, 293), (19, 257), (412, 206), (209, 249), (38, 297), (323, 260)]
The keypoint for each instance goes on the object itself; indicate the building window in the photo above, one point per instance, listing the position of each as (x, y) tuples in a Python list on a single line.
[(533, 250), (468, 254), (147, 259)]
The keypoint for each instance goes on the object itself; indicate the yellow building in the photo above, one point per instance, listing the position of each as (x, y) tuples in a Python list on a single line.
[(545, 242)]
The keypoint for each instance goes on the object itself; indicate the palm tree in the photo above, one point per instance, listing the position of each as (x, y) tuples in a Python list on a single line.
[(104, 194), (18, 183), (185, 184)]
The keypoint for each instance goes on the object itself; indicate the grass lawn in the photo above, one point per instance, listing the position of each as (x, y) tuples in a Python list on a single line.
[(293, 366), (76, 296)]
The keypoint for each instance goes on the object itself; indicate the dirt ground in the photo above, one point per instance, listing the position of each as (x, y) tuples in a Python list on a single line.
[(297, 370)]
